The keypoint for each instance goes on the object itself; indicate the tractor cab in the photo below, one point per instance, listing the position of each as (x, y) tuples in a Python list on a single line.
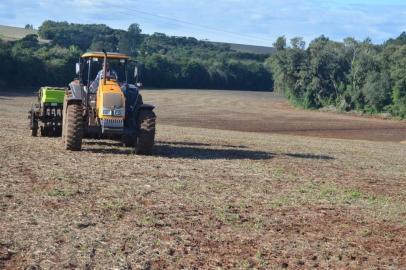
[(108, 95), (91, 63)]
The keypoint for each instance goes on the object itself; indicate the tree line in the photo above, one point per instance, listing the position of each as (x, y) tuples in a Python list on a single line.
[(348, 75), (165, 61)]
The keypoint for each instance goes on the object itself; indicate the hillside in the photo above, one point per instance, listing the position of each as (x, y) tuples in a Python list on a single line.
[(250, 48), (11, 33)]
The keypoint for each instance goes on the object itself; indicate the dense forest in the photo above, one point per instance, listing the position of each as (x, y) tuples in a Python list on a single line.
[(348, 75), (167, 62)]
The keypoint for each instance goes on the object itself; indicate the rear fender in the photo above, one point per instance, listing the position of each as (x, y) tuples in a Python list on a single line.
[(139, 107), (147, 107)]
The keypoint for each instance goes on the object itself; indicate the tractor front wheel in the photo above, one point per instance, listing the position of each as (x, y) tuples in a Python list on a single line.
[(73, 126), (146, 132)]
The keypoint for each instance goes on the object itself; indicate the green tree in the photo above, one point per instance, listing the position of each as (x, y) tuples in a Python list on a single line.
[(130, 40), (297, 43), (377, 90), (280, 43)]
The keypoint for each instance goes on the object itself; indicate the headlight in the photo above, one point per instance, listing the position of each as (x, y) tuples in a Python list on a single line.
[(107, 112), (119, 112)]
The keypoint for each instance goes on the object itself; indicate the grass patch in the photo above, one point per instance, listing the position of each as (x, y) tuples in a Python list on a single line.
[(59, 175), (117, 209), (260, 258), (227, 214), (56, 192), (313, 193), (278, 172), (245, 264), (180, 186), (285, 200), (330, 193), (238, 217), (283, 174), (149, 221)]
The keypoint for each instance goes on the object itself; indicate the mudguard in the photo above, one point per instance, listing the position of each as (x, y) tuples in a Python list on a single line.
[(75, 91), (147, 107)]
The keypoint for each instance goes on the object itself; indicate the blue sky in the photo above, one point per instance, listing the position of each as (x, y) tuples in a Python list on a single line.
[(257, 22)]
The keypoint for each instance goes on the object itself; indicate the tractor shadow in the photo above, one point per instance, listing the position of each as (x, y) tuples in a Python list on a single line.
[(194, 150), (200, 151), (191, 151), (201, 144), (309, 156), (180, 150), (104, 143)]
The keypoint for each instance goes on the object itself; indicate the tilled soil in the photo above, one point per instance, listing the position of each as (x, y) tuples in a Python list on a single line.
[(205, 199), (266, 113)]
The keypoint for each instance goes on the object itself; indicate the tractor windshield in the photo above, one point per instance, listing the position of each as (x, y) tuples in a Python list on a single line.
[(92, 66)]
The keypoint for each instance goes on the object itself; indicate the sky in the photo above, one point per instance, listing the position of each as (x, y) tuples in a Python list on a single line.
[(257, 22)]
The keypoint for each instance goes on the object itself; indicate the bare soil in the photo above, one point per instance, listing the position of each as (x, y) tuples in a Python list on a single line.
[(208, 198), (267, 113)]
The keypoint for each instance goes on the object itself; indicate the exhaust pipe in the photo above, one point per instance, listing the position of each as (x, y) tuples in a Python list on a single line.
[(104, 67)]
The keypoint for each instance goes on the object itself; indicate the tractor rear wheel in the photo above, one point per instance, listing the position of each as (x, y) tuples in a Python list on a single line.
[(73, 127), (146, 132)]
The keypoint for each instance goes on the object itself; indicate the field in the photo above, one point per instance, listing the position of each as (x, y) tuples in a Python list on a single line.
[(230, 185), (250, 48), (11, 33)]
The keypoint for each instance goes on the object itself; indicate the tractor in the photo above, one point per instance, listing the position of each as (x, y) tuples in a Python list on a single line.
[(104, 105), (46, 114)]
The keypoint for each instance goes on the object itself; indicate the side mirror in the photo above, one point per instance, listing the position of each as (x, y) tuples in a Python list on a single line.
[(77, 68)]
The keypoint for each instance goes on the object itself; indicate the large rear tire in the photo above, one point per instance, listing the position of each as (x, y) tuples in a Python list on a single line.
[(73, 127), (146, 132)]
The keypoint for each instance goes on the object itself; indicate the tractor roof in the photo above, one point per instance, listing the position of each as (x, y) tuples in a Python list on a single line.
[(109, 55)]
